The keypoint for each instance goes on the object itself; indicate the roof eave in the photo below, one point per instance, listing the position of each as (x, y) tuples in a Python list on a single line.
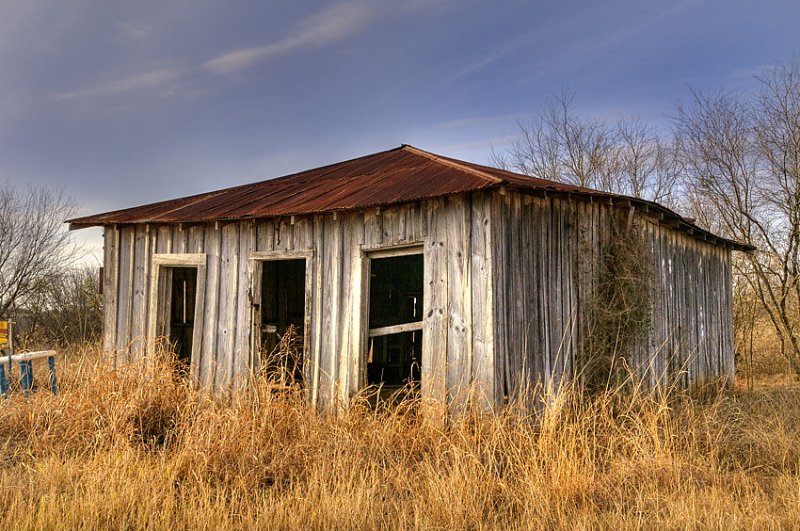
[(679, 221)]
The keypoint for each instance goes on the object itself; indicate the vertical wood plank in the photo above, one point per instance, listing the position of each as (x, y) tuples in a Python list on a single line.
[(459, 298), (208, 361), (345, 308), (164, 238), (482, 294), (139, 285), (265, 234), (329, 346), (125, 292), (315, 368), (359, 286), (435, 295), (111, 279), (228, 289), (181, 244), (242, 355), (499, 310), (372, 228), (517, 307), (197, 234)]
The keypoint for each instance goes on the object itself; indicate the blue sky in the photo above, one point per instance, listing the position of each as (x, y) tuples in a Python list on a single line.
[(123, 103)]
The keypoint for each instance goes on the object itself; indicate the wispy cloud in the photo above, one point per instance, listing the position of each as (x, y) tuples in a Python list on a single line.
[(133, 31), (481, 146), (328, 26), (325, 27), (597, 32), (146, 80), (490, 58), (477, 122), (751, 72)]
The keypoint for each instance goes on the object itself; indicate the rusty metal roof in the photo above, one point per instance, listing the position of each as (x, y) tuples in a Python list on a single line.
[(399, 175)]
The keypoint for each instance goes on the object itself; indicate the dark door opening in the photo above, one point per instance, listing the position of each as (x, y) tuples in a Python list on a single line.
[(283, 313), (183, 294), (394, 356)]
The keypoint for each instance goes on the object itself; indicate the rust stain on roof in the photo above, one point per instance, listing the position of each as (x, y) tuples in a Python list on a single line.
[(399, 175)]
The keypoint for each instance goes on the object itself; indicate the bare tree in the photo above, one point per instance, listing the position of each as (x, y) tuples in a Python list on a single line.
[(627, 157), (558, 145), (34, 246), (646, 165), (741, 155), (67, 309), (733, 161)]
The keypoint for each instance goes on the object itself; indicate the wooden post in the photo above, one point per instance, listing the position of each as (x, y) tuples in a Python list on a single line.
[(25, 361), (26, 376), (51, 365), (3, 382), (10, 365), (10, 338), (5, 379)]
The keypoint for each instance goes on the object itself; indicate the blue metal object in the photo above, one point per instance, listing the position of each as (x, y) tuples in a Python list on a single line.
[(51, 364), (4, 391), (26, 376)]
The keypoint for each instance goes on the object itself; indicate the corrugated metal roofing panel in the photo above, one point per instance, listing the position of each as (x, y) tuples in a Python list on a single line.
[(400, 175)]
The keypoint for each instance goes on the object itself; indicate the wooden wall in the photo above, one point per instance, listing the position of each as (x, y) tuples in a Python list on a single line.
[(549, 260), (457, 334), (691, 333), (536, 287), (507, 280)]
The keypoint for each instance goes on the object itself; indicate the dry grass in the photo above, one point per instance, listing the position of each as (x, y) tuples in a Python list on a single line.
[(116, 450)]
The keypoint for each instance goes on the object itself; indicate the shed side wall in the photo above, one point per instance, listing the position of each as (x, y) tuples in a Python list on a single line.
[(549, 258)]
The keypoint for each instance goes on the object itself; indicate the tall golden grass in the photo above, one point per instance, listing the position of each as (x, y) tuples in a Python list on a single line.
[(119, 449)]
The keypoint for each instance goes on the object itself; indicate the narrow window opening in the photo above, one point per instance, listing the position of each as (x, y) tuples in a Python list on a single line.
[(283, 311), (183, 295), (394, 357)]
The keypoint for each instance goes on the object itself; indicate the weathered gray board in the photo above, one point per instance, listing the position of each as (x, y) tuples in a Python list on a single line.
[(506, 277), (337, 247), (549, 250)]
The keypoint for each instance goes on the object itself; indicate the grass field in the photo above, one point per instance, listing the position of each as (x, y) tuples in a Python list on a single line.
[(120, 450)]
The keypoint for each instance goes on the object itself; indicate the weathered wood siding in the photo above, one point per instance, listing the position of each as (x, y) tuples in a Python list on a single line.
[(691, 332), (454, 234), (508, 279), (548, 261), (536, 290)]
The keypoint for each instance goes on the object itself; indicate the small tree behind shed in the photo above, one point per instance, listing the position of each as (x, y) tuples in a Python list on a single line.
[(34, 246)]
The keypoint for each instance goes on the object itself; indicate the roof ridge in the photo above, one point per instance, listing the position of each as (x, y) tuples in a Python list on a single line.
[(453, 163), (296, 174), (201, 196)]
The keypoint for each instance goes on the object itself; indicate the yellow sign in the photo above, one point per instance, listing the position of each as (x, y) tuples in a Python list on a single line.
[(3, 333)]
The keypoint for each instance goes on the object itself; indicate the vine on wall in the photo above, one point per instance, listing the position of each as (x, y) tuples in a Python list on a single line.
[(620, 310)]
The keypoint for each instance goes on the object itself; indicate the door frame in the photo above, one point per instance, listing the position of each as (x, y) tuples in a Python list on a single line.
[(157, 323), (258, 258), (366, 271)]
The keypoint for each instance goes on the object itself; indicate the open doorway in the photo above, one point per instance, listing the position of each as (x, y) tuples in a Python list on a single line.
[(182, 302), (177, 310), (177, 302), (282, 309), (394, 355)]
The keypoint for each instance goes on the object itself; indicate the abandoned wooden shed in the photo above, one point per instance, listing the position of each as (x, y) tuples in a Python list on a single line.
[(409, 266)]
